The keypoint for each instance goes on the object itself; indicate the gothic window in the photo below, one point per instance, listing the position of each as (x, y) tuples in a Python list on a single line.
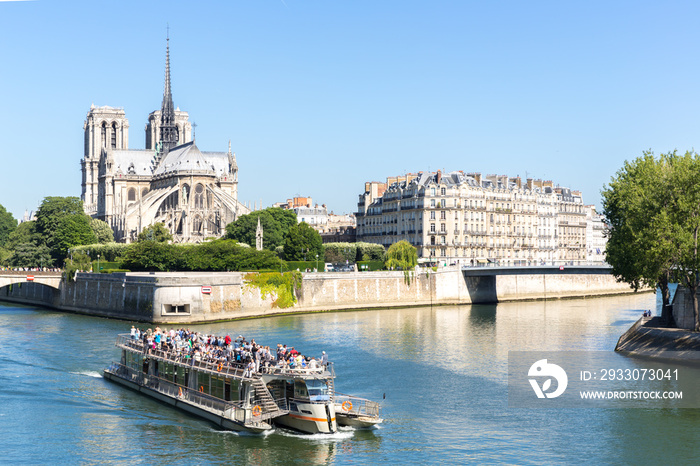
[(197, 225), (177, 134), (104, 134), (199, 196), (114, 135), (131, 197)]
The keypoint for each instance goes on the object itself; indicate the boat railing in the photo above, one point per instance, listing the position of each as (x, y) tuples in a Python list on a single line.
[(236, 411), (354, 405), (237, 370)]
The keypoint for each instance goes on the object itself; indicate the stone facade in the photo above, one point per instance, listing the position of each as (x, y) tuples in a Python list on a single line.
[(193, 193), (469, 219)]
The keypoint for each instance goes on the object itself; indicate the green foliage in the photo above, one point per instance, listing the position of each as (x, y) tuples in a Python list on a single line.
[(653, 209), (72, 230), (7, 225), (53, 209), (218, 255), (62, 224), (100, 266), (24, 233), (152, 256), (284, 286), (303, 243), (5, 255), (156, 232), (340, 252), (353, 252), (226, 255), (30, 255), (108, 252), (79, 263), (370, 265), (401, 255), (275, 223), (370, 251), (103, 232)]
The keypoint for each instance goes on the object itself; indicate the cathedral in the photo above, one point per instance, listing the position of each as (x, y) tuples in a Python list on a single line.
[(193, 193)]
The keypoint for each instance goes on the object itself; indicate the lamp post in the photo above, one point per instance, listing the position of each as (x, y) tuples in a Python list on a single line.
[(98, 263), (316, 262)]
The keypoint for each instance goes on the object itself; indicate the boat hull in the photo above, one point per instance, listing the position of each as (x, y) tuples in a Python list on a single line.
[(310, 418), (190, 408)]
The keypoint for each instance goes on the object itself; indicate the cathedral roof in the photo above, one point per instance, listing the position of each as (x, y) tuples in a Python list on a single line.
[(188, 157), (134, 162)]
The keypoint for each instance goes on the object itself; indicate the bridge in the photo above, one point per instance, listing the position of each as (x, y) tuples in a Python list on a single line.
[(12, 277)]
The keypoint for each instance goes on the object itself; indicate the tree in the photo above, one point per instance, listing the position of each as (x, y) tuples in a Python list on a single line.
[(151, 256), (102, 231), (302, 243), (72, 230), (653, 209), (275, 223), (53, 209), (24, 233), (401, 255), (682, 221), (7, 225), (31, 255), (156, 232)]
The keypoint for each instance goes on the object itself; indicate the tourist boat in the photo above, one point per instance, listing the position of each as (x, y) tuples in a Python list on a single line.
[(300, 399)]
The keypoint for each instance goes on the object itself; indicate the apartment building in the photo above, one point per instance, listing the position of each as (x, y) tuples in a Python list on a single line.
[(471, 219)]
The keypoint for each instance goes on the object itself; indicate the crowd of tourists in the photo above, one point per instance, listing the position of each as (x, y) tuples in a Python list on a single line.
[(30, 269), (224, 351)]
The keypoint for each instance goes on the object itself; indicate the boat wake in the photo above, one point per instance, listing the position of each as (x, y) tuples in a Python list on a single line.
[(95, 374), (343, 434)]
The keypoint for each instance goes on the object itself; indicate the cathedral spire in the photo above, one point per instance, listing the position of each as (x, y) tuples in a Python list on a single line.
[(168, 130)]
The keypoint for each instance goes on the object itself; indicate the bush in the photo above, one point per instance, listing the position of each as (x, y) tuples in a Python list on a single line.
[(284, 285), (109, 252)]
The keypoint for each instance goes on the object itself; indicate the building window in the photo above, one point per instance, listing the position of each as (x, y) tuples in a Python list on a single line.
[(199, 196), (432, 191), (442, 191), (432, 228), (442, 203), (432, 203), (432, 215), (131, 196), (103, 133), (114, 135), (442, 215), (442, 227)]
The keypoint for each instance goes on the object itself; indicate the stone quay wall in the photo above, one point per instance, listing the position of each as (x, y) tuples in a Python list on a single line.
[(189, 297)]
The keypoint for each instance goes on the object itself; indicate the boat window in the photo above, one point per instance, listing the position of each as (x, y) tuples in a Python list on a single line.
[(217, 387), (300, 389), (318, 389), (203, 382)]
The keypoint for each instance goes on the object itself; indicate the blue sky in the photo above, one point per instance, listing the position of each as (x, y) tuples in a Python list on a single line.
[(318, 97)]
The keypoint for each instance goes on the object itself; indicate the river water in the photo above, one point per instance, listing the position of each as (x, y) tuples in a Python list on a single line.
[(443, 372)]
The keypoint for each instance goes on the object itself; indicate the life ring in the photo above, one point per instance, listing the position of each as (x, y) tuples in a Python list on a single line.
[(347, 405), (221, 366), (257, 411), (179, 392), (201, 388)]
